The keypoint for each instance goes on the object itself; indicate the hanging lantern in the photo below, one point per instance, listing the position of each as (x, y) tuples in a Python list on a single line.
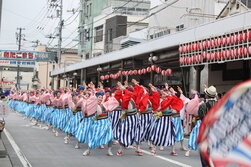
[(249, 50), (244, 36), (224, 40), (130, 72), (236, 52), (216, 55), (219, 41), (232, 39), (198, 46), (240, 37), (135, 72), (163, 72), (211, 43), (107, 77), (119, 72), (200, 58), (208, 56), (236, 38), (158, 70), (228, 40), (184, 49), (188, 48), (153, 67), (240, 51), (169, 71), (227, 53), (148, 69), (143, 71), (223, 54), (180, 49), (245, 51), (231, 53), (212, 57), (249, 34), (102, 77), (204, 54), (126, 73), (192, 47), (181, 60), (139, 72), (204, 44), (110, 75), (216, 42)]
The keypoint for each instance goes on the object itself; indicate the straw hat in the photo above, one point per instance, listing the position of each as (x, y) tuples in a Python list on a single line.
[(211, 91)]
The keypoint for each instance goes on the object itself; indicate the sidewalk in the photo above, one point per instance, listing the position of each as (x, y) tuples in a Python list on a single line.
[(4, 158)]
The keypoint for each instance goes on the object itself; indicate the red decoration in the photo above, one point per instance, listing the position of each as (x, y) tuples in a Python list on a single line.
[(240, 37), (163, 72), (212, 57), (126, 73), (148, 69), (204, 44), (204, 54), (249, 49), (119, 72), (169, 72), (144, 71), (224, 40), (158, 70), (102, 77), (227, 53), (198, 46), (245, 51), (228, 40), (232, 39), (236, 52), (135, 72), (216, 42), (219, 40), (236, 38), (130, 72), (208, 56), (244, 36), (249, 35), (153, 67), (232, 53), (107, 77), (180, 49)]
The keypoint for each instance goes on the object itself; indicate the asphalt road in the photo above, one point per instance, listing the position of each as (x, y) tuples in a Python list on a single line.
[(39, 148)]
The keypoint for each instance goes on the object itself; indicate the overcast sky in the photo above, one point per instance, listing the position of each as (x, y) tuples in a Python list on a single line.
[(32, 15)]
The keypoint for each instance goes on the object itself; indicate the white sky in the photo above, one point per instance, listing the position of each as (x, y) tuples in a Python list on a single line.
[(31, 15)]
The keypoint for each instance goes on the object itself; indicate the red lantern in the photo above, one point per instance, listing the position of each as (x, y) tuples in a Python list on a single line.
[(181, 60), (169, 72), (111, 75), (231, 53), (123, 72), (224, 40), (240, 37), (107, 77), (204, 44), (126, 73), (216, 42), (232, 39), (223, 54), (219, 41), (240, 51), (227, 53), (200, 58), (184, 48), (119, 72), (102, 77), (139, 72), (236, 38), (188, 48), (245, 51), (244, 36), (211, 43), (216, 55), (135, 72), (204, 54), (148, 69), (236, 52), (192, 47), (228, 40), (154, 67), (212, 57), (249, 50), (144, 71), (163, 72), (180, 49), (130, 72), (249, 34), (158, 70), (208, 56)]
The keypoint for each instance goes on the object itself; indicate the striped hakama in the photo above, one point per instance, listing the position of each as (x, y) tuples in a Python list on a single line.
[(192, 144), (101, 133), (83, 133), (128, 129), (178, 129), (163, 133), (114, 118), (144, 128)]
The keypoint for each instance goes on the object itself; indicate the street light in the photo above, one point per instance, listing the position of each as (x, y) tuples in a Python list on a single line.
[(99, 69), (152, 59)]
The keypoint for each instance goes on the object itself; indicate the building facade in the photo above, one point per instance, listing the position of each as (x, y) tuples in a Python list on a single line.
[(96, 33)]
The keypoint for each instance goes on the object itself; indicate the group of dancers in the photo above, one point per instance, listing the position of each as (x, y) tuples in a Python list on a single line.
[(126, 114)]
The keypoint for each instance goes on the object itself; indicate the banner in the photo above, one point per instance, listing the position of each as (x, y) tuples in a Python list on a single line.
[(225, 132), (24, 63), (26, 55), (7, 84)]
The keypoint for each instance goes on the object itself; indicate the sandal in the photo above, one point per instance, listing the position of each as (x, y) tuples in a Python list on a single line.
[(119, 153), (140, 153), (173, 154)]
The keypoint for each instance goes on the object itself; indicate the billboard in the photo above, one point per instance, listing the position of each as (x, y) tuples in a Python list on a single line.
[(16, 55)]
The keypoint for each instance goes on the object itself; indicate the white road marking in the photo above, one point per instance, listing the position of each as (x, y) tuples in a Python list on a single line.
[(19, 153), (164, 158)]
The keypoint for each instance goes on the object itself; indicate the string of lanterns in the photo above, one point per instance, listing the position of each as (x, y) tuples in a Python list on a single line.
[(138, 72), (199, 52)]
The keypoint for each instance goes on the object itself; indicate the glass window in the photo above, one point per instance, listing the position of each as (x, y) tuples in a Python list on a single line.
[(98, 34), (110, 35)]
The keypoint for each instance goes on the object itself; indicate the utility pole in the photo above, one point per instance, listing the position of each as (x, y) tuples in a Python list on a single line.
[(19, 39), (61, 23), (81, 27)]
